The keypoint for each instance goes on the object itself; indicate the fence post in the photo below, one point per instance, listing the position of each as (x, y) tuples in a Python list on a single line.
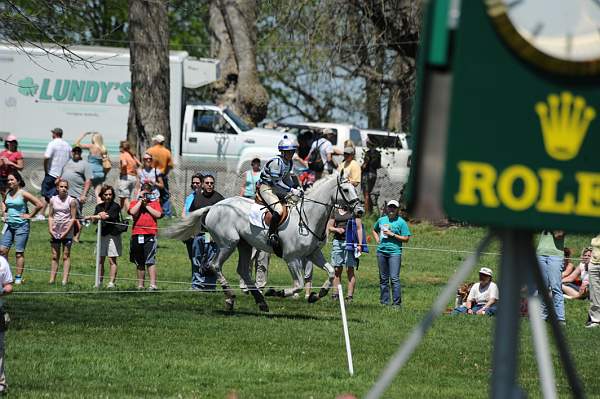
[(98, 238)]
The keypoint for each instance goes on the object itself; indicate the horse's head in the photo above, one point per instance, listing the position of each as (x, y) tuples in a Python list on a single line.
[(346, 195)]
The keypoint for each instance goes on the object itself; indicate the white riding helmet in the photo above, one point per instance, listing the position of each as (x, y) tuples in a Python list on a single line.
[(287, 144)]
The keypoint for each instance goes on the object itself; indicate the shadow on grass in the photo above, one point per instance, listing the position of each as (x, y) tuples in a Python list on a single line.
[(288, 316)]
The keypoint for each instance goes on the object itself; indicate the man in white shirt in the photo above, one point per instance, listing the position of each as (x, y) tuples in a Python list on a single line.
[(58, 152), (325, 147), (6, 281)]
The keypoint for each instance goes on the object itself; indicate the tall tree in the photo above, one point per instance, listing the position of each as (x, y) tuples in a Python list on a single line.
[(149, 64), (233, 34)]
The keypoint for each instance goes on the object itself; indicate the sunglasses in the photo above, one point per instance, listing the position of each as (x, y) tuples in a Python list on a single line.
[(209, 183)]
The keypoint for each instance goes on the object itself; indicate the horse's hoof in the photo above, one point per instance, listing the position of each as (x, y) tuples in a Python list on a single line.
[(323, 292), (280, 293), (263, 307), (229, 302), (270, 292), (312, 298)]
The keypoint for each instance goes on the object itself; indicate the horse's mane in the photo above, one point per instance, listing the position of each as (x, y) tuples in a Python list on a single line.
[(321, 182)]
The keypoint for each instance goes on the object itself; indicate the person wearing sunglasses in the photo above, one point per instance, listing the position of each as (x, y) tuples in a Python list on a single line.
[(204, 249), (149, 174), (390, 232)]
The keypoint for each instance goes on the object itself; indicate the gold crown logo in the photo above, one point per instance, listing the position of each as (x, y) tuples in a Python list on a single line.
[(565, 121)]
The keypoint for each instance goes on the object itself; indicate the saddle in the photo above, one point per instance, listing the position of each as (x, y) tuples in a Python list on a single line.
[(267, 215)]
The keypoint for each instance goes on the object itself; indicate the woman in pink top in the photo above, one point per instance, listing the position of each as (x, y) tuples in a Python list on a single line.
[(11, 160), (61, 217)]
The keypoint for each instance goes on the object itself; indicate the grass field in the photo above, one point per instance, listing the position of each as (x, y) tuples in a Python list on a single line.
[(81, 342)]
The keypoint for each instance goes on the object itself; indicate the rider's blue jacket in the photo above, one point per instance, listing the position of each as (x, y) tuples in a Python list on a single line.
[(277, 173)]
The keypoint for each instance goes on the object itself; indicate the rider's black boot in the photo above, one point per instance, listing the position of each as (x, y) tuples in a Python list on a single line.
[(273, 237)]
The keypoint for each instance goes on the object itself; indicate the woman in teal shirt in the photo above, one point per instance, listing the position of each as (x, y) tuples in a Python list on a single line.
[(390, 231)]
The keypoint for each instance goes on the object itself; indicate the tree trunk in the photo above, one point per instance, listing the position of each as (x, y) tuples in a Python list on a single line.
[(149, 65), (233, 31), (373, 91), (394, 110)]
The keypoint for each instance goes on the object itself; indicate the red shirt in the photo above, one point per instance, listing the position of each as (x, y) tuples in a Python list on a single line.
[(5, 170), (145, 223)]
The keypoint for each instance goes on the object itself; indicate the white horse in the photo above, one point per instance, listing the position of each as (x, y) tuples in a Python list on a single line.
[(302, 235)]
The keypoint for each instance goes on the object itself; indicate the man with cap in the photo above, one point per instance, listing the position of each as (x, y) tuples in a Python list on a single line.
[(275, 184), (163, 162), (57, 153), (350, 169), (483, 296)]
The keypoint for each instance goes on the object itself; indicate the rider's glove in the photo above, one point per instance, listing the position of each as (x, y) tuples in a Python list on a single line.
[(297, 192)]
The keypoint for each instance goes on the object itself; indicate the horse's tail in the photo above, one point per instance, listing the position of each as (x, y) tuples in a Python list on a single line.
[(189, 226)]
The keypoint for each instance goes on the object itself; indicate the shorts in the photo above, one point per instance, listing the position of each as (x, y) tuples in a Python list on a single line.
[(96, 181), (110, 245), (18, 235), (49, 187), (340, 256), (143, 254), (3, 183), (576, 287), (126, 186), (367, 181), (66, 242)]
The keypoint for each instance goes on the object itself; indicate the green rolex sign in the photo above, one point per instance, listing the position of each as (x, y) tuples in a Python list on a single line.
[(523, 125)]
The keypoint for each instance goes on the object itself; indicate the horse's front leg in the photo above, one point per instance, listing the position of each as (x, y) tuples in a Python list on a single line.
[(318, 259)]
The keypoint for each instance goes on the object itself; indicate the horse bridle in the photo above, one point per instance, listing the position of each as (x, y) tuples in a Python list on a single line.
[(303, 217)]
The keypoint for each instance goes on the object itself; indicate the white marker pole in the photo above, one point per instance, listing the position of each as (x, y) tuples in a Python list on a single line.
[(98, 238), (346, 335)]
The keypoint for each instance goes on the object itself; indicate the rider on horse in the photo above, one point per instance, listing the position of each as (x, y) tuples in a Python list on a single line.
[(275, 184)]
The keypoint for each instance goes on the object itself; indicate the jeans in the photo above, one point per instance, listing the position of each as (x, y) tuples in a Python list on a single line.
[(594, 311), (165, 201), (389, 272), (201, 254), (463, 309), (550, 267)]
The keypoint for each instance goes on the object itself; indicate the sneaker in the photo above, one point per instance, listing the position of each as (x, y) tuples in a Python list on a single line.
[(153, 288), (40, 217), (335, 297), (110, 285), (140, 287), (592, 324), (349, 299), (64, 283), (18, 280)]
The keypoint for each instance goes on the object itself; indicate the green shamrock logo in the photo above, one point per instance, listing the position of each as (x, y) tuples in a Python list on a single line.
[(27, 87)]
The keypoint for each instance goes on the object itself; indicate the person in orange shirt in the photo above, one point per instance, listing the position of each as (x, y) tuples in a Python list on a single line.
[(128, 163), (164, 163)]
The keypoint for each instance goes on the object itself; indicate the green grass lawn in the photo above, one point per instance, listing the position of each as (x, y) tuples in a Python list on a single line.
[(176, 343)]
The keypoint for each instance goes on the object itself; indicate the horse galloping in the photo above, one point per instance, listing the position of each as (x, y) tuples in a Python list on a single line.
[(302, 235)]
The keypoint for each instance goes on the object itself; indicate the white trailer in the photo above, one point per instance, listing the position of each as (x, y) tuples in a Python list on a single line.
[(42, 89)]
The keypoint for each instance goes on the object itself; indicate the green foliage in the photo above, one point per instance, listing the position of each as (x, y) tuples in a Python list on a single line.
[(177, 343)]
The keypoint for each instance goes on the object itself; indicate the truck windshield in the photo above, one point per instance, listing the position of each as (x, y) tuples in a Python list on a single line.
[(385, 141), (237, 120)]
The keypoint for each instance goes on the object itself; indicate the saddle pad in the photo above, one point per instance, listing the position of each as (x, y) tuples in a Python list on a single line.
[(256, 216)]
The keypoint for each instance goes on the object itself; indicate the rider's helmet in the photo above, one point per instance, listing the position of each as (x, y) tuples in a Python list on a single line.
[(287, 144)]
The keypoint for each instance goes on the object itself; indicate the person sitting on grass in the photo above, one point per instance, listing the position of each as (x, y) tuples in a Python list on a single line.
[(483, 296), (576, 284)]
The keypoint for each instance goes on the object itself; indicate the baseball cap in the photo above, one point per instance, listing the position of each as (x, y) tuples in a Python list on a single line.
[(348, 150), (10, 137), (57, 130), (393, 203), (159, 138), (486, 270), (327, 131)]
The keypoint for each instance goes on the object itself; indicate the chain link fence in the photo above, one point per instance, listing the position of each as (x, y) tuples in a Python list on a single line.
[(228, 181)]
